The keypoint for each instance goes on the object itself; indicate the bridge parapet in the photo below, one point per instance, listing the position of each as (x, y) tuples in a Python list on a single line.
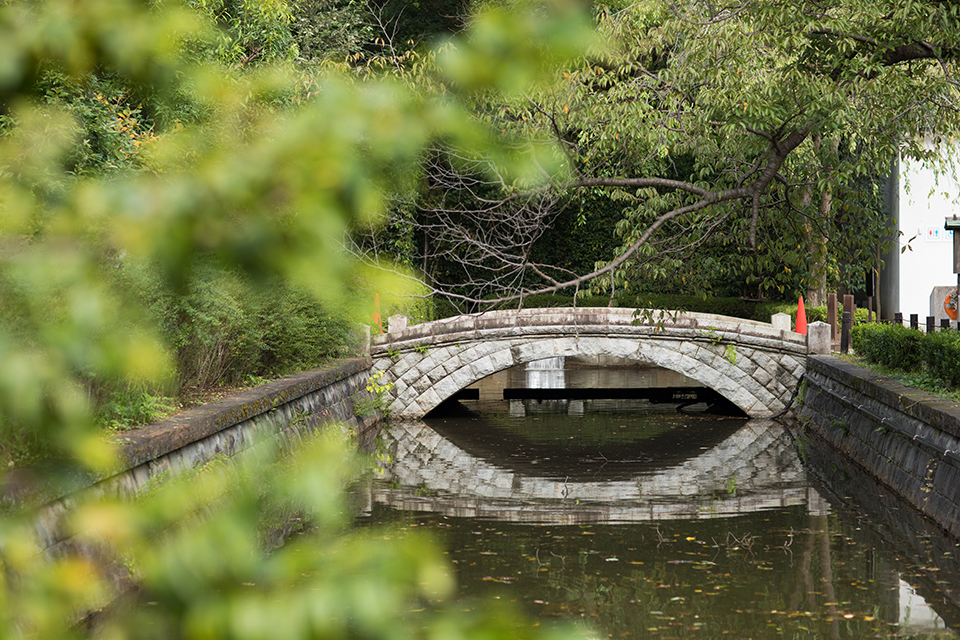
[(589, 320), (751, 363)]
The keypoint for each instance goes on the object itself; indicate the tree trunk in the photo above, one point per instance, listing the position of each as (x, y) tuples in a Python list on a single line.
[(818, 230)]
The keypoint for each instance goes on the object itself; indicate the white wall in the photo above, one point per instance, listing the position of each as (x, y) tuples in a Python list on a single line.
[(924, 203)]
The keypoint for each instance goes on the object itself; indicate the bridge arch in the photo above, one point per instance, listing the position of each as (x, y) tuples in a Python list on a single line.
[(751, 364)]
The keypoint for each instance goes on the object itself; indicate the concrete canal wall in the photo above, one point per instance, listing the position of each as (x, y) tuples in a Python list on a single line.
[(909, 440), (286, 409)]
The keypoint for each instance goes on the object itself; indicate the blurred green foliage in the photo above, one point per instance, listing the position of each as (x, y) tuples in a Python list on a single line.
[(259, 550), (171, 189), (225, 327)]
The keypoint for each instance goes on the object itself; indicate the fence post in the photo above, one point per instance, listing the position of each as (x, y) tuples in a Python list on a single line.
[(849, 307), (845, 331), (832, 315), (898, 318), (931, 324), (914, 321), (944, 324)]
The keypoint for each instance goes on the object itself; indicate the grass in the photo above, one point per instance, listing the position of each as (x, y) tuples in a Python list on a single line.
[(916, 379)]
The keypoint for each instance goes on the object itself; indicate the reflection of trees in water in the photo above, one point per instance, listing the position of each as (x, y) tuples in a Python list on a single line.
[(802, 569), (679, 576), (871, 528)]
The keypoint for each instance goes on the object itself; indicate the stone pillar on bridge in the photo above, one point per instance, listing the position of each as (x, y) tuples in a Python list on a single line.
[(780, 321), (818, 338), (397, 323)]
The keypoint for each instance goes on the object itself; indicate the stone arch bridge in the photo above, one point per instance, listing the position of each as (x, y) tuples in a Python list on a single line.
[(752, 364)]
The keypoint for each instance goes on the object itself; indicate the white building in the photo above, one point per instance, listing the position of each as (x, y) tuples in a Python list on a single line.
[(922, 256)]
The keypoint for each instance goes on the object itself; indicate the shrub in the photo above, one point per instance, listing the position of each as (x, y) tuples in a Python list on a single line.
[(941, 355), (125, 405), (226, 328), (819, 314), (891, 345)]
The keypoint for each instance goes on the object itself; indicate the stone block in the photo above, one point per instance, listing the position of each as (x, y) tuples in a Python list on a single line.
[(411, 409), (669, 359), (452, 364), (405, 362), (537, 350), (689, 348), (436, 374), (762, 376), (427, 364), (787, 381), (709, 377), (429, 399), (566, 346), (749, 384), (617, 348), (442, 353), (463, 377), (419, 384), (445, 388), (482, 368), (502, 359), (791, 364), (745, 364)]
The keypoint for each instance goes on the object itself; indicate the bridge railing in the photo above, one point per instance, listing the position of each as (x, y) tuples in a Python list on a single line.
[(589, 321)]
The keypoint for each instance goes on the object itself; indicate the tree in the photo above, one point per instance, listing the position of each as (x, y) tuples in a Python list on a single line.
[(725, 129)]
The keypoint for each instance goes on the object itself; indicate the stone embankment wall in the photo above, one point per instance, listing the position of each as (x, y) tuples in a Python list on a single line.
[(286, 409), (907, 439)]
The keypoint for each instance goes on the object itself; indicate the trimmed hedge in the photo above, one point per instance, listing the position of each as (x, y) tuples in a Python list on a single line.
[(899, 347), (891, 345), (941, 354)]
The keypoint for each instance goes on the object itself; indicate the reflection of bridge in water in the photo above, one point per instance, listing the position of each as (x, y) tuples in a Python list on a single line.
[(755, 468)]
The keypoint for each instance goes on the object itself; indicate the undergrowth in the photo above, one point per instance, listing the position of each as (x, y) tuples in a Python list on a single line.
[(917, 379), (223, 330)]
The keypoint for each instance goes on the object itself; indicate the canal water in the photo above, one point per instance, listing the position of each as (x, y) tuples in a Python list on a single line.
[(640, 520)]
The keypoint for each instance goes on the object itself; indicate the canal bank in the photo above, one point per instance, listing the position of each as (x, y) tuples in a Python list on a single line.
[(905, 438), (285, 411)]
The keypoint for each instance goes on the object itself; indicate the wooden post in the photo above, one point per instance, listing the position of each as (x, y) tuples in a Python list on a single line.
[(914, 321), (944, 323), (898, 318), (931, 324), (849, 307), (845, 331), (832, 315)]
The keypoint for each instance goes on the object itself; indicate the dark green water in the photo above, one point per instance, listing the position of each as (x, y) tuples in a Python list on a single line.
[(649, 524)]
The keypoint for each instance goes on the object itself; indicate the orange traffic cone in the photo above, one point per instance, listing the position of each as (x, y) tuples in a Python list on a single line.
[(801, 318), (377, 320)]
